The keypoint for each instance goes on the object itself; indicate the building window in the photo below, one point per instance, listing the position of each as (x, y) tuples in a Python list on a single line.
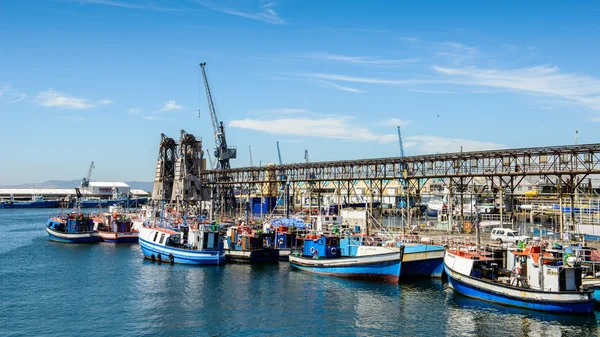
[(162, 238)]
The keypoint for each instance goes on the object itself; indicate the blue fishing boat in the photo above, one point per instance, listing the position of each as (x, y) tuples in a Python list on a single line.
[(36, 202), (196, 244), (72, 228), (116, 228), (536, 280), (349, 258), (242, 244), (422, 260), (285, 231)]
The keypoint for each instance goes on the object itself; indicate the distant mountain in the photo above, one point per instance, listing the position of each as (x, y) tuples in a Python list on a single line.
[(138, 185)]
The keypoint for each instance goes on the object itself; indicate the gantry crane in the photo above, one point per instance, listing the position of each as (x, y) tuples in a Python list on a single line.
[(223, 197), (403, 200), (85, 181), (222, 153)]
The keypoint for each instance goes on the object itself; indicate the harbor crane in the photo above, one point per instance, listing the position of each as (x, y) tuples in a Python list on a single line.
[(85, 182), (222, 153), (279, 154), (250, 151), (403, 201), (225, 199)]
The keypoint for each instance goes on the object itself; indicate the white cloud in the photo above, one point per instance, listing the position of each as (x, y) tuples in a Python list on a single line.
[(363, 59), (151, 118), (261, 11), (171, 105), (7, 93), (435, 144), (454, 52), (396, 122), (545, 80), (338, 127), (341, 87), (55, 99), (135, 111)]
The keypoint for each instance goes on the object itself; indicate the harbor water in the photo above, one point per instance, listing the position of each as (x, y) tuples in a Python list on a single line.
[(102, 289)]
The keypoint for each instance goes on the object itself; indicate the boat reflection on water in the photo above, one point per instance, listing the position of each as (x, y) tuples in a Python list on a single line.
[(467, 316)]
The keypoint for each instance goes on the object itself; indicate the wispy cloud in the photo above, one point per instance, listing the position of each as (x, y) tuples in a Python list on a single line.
[(170, 106), (375, 61), (11, 95), (143, 5), (452, 51), (260, 10), (135, 111), (545, 80), (396, 122), (55, 99), (435, 144), (341, 87), (337, 127)]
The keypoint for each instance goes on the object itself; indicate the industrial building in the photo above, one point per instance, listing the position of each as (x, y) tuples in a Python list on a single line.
[(101, 190)]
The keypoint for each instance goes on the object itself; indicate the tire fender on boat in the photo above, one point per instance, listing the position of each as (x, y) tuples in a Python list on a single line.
[(171, 258), (152, 257), (159, 257)]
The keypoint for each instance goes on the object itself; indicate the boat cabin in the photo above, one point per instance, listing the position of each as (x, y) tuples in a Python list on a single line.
[(71, 223), (321, 246)]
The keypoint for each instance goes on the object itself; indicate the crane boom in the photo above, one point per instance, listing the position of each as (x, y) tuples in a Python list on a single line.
[(212, 165), (279, 154), (250, 150), (222, 152), (400, 142), (85, 182)]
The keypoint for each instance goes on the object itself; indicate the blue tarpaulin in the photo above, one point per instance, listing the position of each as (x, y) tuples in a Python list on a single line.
[(288, 222)]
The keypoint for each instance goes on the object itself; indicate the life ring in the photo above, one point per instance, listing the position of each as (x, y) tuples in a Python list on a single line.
[(239, 241), (314, 251), (371, 240), (333, 251), (281, 241), (516, 270)]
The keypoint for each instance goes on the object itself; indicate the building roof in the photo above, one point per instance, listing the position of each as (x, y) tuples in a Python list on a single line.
[(37, 191), (108, 184), (139, 192)]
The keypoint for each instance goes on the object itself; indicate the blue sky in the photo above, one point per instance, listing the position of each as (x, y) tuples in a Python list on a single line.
[(99, 80)]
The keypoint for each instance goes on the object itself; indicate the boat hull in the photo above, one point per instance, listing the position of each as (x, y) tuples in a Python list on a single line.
[(568, 302), (422, 260), (384, 267), (253, 256), (33, 204), (182, 256), (112, 237), (89, 237)]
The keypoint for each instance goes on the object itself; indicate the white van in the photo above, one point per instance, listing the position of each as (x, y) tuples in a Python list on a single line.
[(507, 235)]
